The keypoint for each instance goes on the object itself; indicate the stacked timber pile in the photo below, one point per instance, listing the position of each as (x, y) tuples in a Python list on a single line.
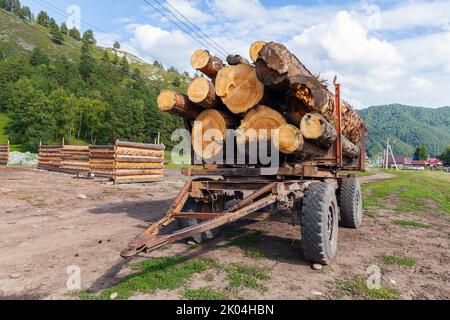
[(128, 162), (138, 162), (50, 158), (75, 159), (4, 154), (275, 92), (102, 161)]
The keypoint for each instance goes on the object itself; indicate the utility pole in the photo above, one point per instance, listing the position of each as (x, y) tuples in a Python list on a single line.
[(387, 152)]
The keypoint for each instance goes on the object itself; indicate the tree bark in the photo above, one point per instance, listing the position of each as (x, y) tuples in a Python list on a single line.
[(234, 60), (202, 92), (178, 104), (279, 69), (206, 63), (239, 88), (209, 133), (255, 48)]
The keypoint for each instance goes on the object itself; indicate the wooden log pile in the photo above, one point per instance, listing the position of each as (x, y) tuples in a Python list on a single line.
[(4, 154), (102, 161), (50, 158), (138, 162), (75, 159), (276, 92)]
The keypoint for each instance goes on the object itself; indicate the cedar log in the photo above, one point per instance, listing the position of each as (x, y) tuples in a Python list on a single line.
[(178, 104)]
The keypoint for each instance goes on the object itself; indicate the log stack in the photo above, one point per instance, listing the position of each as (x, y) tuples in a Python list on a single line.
[(75, 159), (4, 154), (275, 92), (50, 158)]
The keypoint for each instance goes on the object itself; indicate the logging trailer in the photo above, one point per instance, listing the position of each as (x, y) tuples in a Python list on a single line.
[(313, 194)]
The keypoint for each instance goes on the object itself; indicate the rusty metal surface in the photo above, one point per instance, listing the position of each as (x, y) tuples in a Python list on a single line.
[(149, 239)]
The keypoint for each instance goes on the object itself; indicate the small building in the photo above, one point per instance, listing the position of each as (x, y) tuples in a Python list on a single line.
[(434, 163), (400, 160), (419, 163)]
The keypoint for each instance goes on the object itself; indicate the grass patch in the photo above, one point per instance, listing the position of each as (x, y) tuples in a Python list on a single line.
[(416, 191), (255, 254), (357, 289), (246, 276), (414, 224), (205, 294), (246, 238), (401, 261), (152, 275)]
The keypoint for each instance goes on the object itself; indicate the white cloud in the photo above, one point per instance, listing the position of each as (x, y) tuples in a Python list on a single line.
[(328, 39), (415, 14), (173, 48)]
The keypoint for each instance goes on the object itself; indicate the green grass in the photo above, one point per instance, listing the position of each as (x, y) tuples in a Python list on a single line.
[(398, 260), (246, 276), (414, 224), (152, 275), (255, 254), (246, 237), (415, 191), (205, 294), (356, 288)]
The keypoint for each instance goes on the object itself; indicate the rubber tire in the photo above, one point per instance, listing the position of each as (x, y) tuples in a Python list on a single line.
[(194, 206), (350, 200), (318, 245)]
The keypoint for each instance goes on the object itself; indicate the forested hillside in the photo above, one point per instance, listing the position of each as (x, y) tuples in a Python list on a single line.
[(63, 85), (407, 127)]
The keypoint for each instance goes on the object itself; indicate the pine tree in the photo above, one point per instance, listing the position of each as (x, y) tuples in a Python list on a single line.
[(86, 62), (57, 36), (88, 38), (43, 19), (75, 34), (116, 45), (64, 28), (125, 66)]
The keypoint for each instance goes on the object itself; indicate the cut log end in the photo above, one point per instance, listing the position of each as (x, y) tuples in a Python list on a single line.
[(209, 133), (312, 126), (167, 100), (202, 91), (206, 63), (178, 105), (255, 48), (290, 139), (200, 59), (239, 88), (259, 119)]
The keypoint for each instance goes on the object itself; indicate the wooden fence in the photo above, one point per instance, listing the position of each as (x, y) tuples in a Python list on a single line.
[(138, 162), (124, 162), (4, 154), (75, 159), (50, 158)]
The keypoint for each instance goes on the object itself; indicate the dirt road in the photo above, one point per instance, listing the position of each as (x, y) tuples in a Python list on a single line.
[(46, 226)]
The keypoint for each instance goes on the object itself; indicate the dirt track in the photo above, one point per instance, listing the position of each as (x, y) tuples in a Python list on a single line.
[(45, 228)]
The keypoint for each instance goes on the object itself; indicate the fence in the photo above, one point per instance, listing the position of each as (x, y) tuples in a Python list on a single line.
[(75, 159), (4, 154), (124, 162), (138, 162), (50, 158)]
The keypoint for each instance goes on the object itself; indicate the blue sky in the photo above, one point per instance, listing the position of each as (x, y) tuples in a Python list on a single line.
[(382, 51)]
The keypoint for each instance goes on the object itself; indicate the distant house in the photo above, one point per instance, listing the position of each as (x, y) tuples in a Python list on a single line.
[(434, 163), (400, 160)]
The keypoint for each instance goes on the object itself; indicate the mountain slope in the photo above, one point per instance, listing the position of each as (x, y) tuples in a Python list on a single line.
[(24, 38), (407, 127)]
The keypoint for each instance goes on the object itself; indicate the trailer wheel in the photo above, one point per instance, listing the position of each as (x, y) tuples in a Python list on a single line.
[(195, 206), (351, 204), (320, 223)]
